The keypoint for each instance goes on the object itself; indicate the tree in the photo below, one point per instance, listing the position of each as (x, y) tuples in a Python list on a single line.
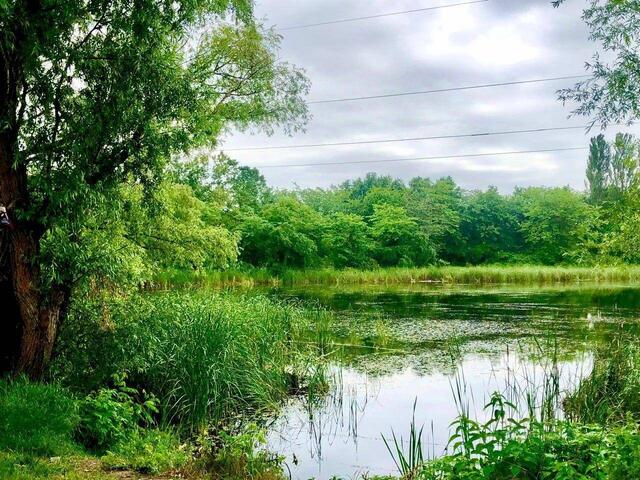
[(398, 239), (437, 208), (612, 170), (380, 196), (97, 93), (346, 241), (182, 231), (285, 233), (555, 221), (612, 93), (361, 186), (598, 167), (489, 228)]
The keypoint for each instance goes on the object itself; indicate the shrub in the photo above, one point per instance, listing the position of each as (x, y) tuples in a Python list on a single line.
[(241, 456), (36, 418), (148, 451), (111, 415)]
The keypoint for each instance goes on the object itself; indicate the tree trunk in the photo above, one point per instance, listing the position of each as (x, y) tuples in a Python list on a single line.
[(33, 313)]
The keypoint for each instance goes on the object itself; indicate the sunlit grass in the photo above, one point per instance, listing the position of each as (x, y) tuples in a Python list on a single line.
[(476, 275), (446, 275)]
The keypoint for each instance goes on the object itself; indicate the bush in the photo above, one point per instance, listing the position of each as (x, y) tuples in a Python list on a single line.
[(112, 415), (241, 456), (36, 418), (203, 355)]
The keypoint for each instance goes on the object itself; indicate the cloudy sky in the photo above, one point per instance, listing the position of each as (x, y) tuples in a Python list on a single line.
[(490, 42)]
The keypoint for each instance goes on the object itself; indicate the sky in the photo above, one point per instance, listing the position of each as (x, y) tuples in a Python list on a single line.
[(491, 42)]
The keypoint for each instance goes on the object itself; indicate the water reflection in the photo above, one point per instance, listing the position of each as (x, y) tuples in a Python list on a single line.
[(446, 350)]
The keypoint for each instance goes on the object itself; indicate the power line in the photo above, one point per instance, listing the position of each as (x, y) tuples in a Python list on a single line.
[(450, 89), (446, 157), (369, 17), (409, 139)]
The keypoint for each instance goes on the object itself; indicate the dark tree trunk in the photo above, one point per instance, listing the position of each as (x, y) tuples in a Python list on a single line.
[(31, 315)]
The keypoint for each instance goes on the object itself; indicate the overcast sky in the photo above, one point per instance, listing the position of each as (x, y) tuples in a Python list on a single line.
[(496, 41)]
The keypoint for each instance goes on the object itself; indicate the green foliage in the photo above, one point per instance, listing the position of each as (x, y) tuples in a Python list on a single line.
[(555, 221), (438, 209), (286, 233), (490, 228), (110, 415), (610, 95), (36, 418), (242, 456), (611, 393), (398, 239), (346, 241), (204, 356), (148, 451)]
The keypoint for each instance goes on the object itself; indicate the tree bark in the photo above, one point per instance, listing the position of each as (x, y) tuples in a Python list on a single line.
[(32, 314)]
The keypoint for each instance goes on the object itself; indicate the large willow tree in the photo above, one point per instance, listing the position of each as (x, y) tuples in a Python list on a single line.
[(95, 93)]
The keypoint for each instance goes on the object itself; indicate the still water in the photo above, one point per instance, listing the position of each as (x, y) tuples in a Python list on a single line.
[(428, 353)]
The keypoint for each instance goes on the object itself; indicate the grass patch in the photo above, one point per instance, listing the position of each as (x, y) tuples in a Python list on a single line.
[(37, 418), (148, 451), (205, 357), (478, 275), (611, 393), (452, 275)]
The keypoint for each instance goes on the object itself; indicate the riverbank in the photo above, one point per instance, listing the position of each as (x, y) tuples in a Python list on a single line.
[(449, 275), (162, 385)]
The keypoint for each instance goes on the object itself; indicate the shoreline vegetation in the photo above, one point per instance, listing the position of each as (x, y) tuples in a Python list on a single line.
[(162, 385), (444, 275)]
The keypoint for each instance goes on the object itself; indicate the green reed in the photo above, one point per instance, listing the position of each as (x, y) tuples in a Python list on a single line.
[(205, 357)]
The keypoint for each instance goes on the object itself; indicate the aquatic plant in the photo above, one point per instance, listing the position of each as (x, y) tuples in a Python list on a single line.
[(205, 357), (410, 460)]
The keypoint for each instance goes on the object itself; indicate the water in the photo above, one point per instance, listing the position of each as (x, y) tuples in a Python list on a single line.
[(405, 351)]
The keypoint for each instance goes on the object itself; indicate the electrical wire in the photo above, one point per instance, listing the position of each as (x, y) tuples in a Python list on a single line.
[(450, 89), (445, 157), (408, 139), (370, 17)]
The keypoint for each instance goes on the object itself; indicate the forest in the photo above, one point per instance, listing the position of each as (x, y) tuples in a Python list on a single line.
[(117, 199), (378, 221)]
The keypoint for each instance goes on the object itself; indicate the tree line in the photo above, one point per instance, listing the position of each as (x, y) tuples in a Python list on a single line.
[(215, 213)]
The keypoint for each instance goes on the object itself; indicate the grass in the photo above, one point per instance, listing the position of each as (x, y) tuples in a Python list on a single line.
[(205, 357), (611, 393), (477, 275), (453, 275), (41, 438), (150, 382), (36, 418)]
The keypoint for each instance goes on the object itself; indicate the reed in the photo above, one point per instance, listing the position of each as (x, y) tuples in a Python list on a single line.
[(206, 357), (448, 275), (475, 275)]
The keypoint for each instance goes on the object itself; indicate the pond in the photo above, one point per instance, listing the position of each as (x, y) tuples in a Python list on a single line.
[(424, 354)]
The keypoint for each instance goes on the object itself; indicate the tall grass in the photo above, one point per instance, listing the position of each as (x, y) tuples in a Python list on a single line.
[(232, 277), (477, 275), (206, 357), (473, 275), (407, 461), (611, 393)]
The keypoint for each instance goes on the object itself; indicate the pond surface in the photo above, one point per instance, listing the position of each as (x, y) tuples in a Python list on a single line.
[(427, 352)]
